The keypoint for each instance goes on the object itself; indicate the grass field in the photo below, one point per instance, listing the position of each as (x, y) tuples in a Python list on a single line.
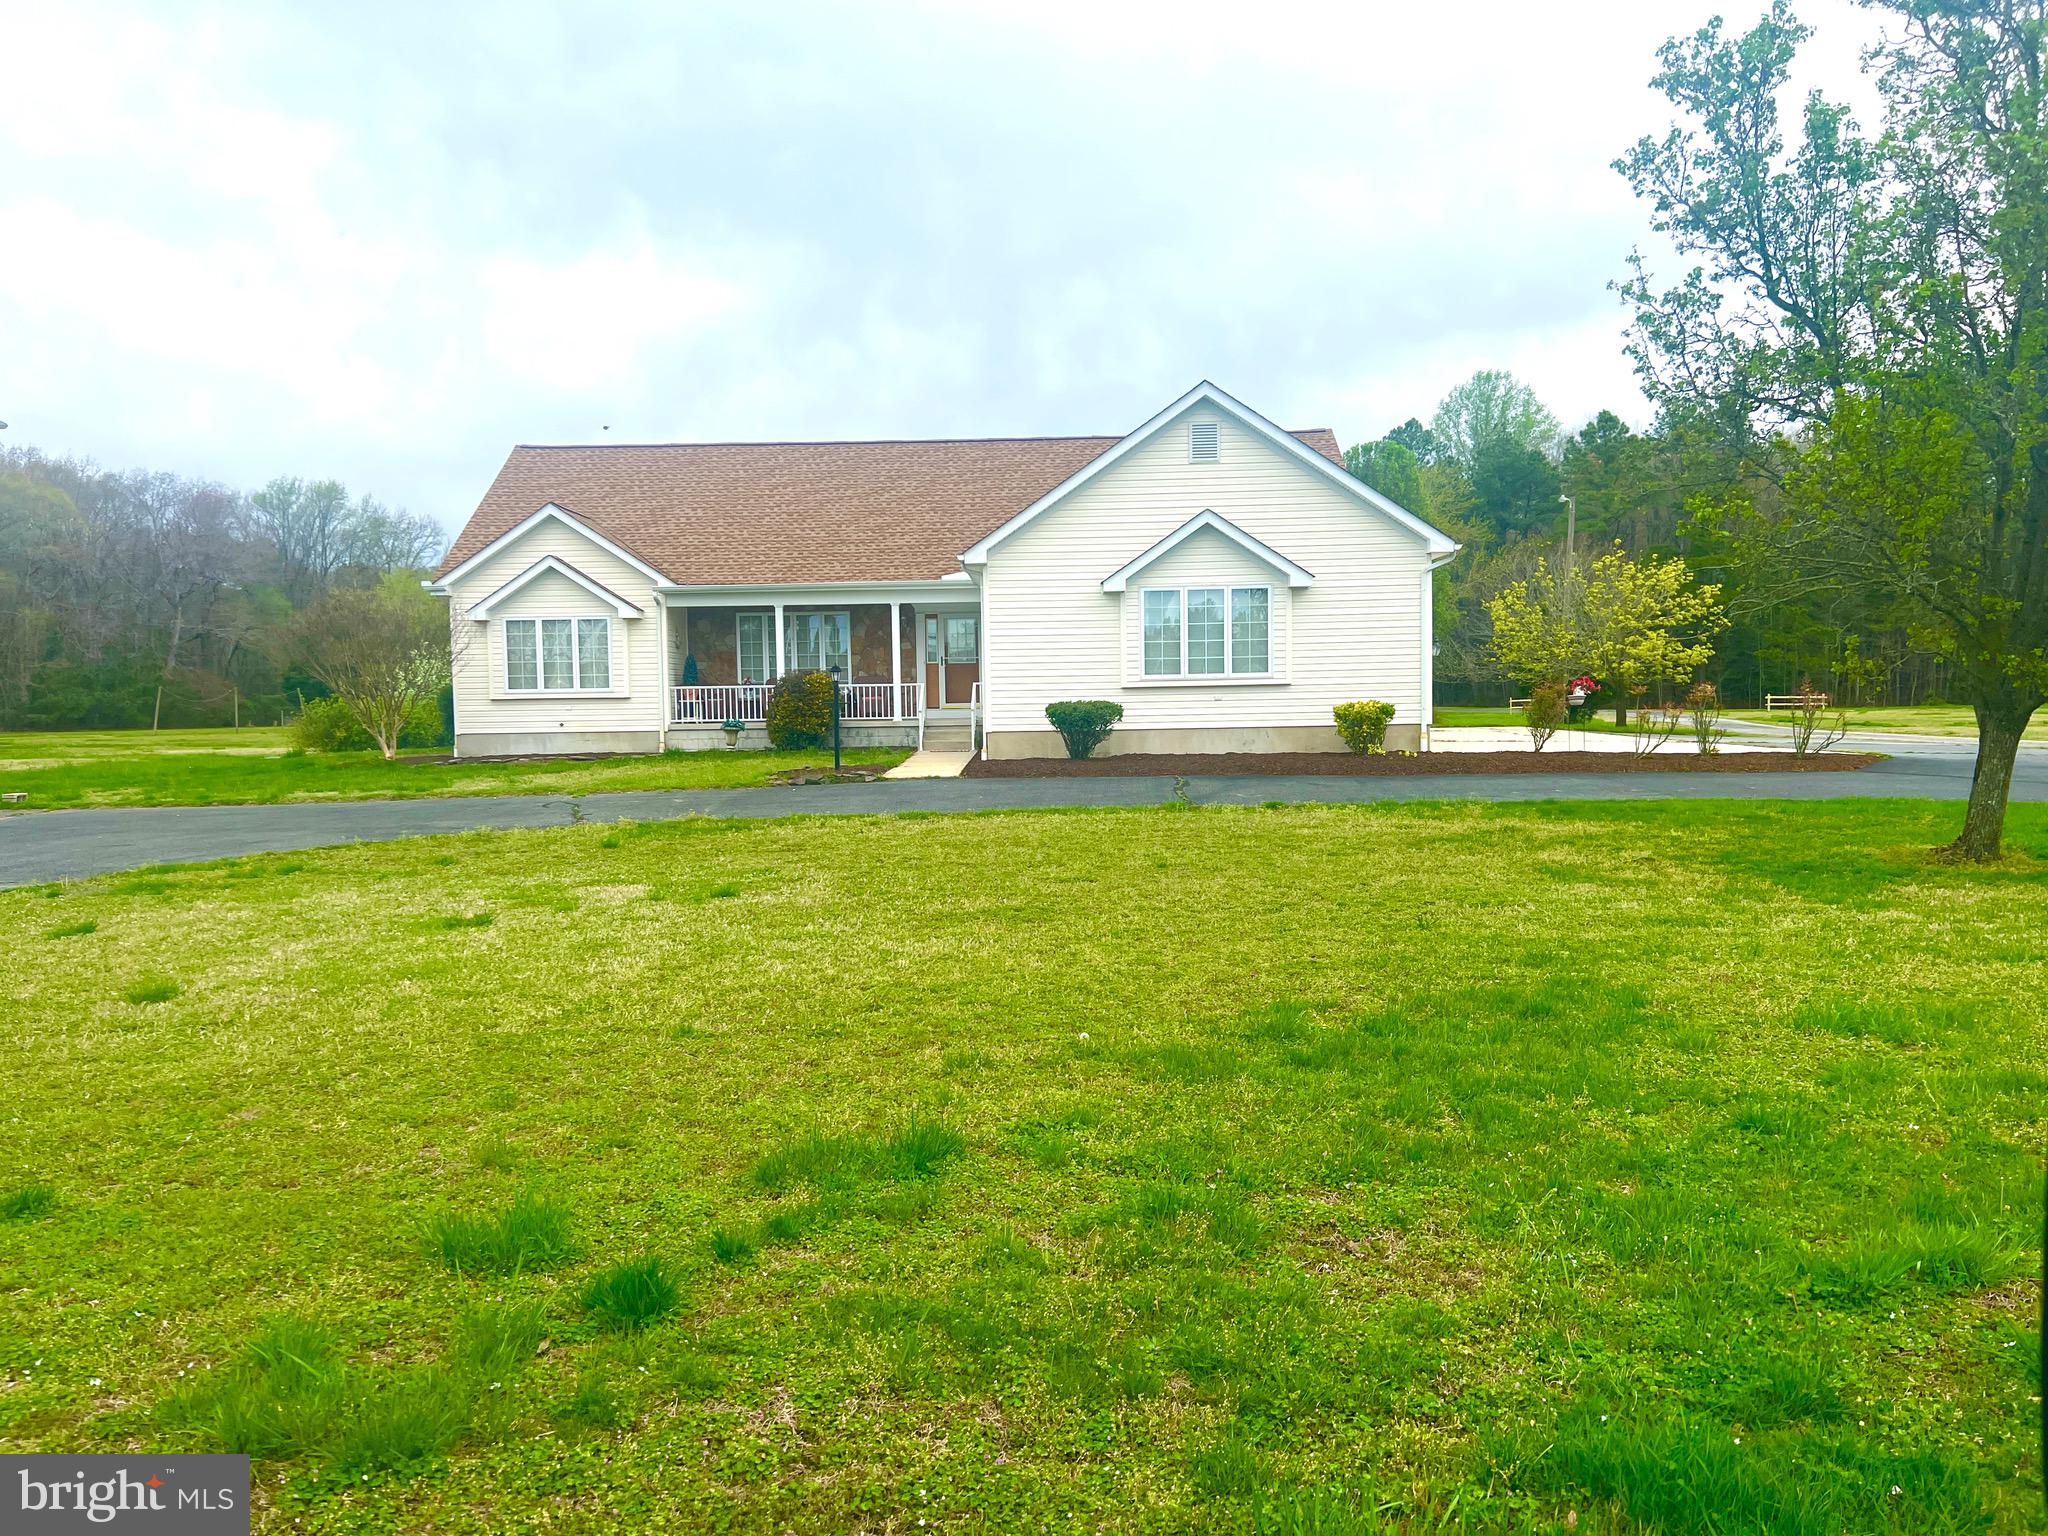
[(1920, 719), (64, 769), (1655, 1167), (1454, 716)]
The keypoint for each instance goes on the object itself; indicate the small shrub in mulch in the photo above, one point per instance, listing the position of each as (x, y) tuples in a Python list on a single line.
[(1419, 765)]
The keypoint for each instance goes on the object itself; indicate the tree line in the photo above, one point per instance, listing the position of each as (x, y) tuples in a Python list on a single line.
[(1848, 375), (1495, 469), (138, 598)]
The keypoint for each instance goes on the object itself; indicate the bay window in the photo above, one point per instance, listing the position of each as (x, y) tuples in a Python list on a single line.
[(1208, 631), (558, 655)]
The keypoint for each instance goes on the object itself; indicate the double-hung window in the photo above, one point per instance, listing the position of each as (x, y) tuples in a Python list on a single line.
[(818, 642), (1208, 631), (558, 655)]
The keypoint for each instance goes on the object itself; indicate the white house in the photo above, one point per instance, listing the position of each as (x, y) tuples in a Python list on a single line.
[(1225, 581)]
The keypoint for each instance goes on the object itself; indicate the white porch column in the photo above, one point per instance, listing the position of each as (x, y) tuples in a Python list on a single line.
[(895, 660), (667, 694), (778, 637)]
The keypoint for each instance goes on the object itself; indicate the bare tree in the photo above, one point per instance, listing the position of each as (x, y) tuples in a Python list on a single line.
[(1813, 729)]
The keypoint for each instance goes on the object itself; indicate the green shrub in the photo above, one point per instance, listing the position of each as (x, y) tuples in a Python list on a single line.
[(1084, 724), (1544, 712), (800, 711), (325, 725), (1363, 725)]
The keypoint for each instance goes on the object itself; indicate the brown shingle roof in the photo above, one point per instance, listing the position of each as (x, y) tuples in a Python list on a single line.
[(710, 514)]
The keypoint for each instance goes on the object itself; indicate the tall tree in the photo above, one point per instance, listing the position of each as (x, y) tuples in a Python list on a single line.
[(1417, 439), (1392, 469), (1882, 305), (1491, 406), (1516, 486)]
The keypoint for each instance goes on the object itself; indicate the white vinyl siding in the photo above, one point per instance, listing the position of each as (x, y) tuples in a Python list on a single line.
[(1356, 632), (491, 693)]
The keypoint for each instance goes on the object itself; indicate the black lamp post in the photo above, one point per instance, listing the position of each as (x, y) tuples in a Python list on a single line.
[(835, 719)]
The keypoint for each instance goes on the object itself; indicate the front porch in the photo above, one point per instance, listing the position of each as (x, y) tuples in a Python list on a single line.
[(908, 659)]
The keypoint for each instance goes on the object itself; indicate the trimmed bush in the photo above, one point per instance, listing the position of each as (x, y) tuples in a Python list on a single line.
[(1363, 725), (1084, 724), (800, 711), (325, 725)]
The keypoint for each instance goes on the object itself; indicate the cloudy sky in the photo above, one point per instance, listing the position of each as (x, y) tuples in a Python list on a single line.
[(385, 242)]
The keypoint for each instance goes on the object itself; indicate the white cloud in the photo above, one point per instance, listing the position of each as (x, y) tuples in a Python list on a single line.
[(386, 241)]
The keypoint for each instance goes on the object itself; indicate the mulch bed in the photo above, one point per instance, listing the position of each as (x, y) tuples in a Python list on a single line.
[(850, 773), (1426, 764)]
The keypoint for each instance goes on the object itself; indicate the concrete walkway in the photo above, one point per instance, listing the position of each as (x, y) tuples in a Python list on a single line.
[(930, 765), (66, 845)]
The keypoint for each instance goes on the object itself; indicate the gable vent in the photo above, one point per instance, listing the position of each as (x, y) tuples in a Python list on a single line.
[(1202, 442)]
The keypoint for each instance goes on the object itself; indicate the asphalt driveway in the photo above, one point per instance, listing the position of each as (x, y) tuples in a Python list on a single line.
[(65, 845)]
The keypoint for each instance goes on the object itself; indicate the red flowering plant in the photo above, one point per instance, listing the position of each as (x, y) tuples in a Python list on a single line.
[(1579, 697)]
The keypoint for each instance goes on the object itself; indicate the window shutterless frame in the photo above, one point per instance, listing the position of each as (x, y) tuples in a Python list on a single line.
[(814, 641), (555, 654), (1222, 632), (753, 632)]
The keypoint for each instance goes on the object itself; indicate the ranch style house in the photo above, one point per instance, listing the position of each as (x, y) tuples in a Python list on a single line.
[(1224, 580)]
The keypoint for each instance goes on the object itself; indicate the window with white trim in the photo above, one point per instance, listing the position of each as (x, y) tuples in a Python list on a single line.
[(756, 665), (818, 642), (1251, 629), (558, 655), (1208, 631)]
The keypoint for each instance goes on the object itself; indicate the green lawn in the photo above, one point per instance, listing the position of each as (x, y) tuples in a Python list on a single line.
[(1658, 1167), (29, 749), (60, 769), (1921, 719), (1513, 718)]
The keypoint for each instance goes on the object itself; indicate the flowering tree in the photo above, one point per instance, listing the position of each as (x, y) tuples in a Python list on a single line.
[(1634, 623), (383, 650)]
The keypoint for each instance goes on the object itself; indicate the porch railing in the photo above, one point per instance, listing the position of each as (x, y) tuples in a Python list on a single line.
[(859, 703)]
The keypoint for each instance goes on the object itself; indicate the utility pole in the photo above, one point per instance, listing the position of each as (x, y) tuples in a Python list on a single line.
[(1571, 528)]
